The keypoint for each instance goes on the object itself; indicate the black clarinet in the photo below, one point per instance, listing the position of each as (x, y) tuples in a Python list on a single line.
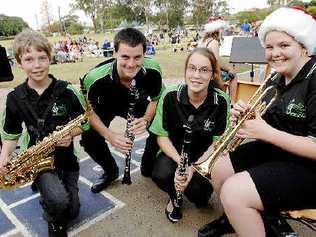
[(130, 118), (184, 161)]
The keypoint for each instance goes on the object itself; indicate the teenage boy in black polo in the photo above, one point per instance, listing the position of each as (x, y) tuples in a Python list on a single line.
[(201, 98), (107, 88), (43, 103)]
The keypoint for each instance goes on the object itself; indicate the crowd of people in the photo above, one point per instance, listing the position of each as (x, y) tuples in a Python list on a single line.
[(273, 172)]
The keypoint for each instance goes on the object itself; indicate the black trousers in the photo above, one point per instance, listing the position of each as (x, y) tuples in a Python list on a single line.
[(95, 145), (198, 191), (59, 195)]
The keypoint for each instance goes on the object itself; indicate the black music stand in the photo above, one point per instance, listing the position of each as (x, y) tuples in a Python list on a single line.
[(247, 50)]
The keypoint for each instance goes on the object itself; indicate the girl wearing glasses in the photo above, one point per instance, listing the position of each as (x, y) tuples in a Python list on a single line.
[(201, 98)]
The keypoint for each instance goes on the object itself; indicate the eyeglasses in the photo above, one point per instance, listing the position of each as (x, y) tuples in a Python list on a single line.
[(201, 70)]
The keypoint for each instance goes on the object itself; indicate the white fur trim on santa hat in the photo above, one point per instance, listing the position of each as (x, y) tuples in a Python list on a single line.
[(214, 26), (296, 23)]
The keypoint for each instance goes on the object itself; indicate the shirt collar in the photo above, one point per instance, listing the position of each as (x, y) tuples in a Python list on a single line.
[(27, 91), (211, 98), (301, 75)]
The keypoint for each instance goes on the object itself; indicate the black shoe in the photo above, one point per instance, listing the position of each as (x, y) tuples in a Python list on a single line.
[(56, 230), (216, 228), (175, 215), (104, 181), (34, 187), (277, 226)]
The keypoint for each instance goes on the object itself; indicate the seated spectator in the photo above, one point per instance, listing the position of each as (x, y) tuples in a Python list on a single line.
[(150, 50), (106, 44)]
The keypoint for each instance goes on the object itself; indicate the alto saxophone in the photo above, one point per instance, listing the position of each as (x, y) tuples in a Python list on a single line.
[(133, 95), (228, 141), (25, 167)]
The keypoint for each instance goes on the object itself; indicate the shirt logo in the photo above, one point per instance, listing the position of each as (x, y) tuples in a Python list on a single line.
[(296, 109), (59, 110), (208, 125)]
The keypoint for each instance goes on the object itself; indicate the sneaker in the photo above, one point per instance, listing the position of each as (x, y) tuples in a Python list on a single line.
[(104, 181), (175, 215), (216, 228), (34, 187), (56, 230)]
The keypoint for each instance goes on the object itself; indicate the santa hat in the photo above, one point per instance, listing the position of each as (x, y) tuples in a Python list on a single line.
[(295, 22), (214, 24)]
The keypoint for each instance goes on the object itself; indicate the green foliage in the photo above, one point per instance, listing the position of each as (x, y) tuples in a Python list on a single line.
[(312, 3), (200, 12), (75, 28), (10, 25), (257, 15), (298, 3), (312, 10), (55, 26), (69, 24)]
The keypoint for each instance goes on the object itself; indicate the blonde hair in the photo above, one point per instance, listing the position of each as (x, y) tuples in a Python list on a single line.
[(27, 39)]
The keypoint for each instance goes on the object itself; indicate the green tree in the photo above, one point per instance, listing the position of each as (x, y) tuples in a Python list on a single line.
[(312, 10), (176, 13), (312, 3), (201, 10), (90, 8), (254, 15), (298, 3), (11, 25)]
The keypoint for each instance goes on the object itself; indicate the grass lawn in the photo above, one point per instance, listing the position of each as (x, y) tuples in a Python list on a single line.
[(172, 65)]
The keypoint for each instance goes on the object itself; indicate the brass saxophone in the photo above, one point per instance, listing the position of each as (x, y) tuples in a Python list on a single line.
[(228, 141), (28, 164)]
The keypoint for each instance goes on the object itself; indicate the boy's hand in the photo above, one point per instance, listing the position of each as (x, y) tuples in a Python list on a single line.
[(65, 141), (3, 162)]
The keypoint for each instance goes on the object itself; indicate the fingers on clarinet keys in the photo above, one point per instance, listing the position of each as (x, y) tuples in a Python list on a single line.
[(104, 181), (216, 228), (173, 215)]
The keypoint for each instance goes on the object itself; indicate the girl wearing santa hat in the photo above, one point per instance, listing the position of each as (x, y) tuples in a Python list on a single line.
[(276, 170), (212, 40)]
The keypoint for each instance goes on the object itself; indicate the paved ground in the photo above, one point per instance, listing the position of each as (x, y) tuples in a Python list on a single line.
[(135, 210)]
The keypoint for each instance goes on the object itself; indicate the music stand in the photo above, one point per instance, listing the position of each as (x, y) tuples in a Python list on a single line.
[(247, 50)]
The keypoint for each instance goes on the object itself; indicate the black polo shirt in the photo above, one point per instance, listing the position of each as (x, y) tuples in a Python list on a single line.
[(61, 102), (210, 118), (110, 98), (294, 111)]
